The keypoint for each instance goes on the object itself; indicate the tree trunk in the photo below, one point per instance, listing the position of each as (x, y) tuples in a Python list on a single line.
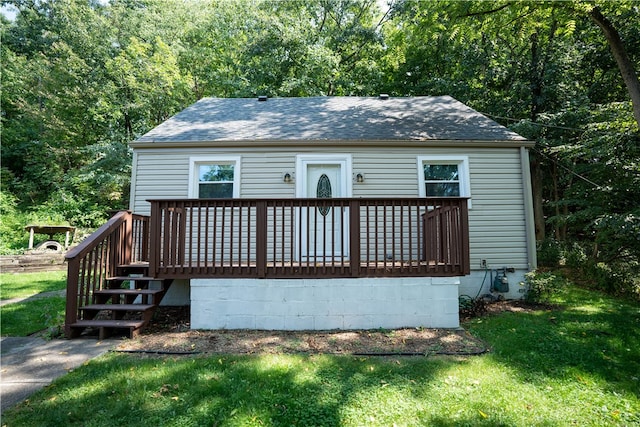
[(622, 59), (556, 201), (537, 184), (535, 79)]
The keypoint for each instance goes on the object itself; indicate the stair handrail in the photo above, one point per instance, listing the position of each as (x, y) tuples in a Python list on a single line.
[(90, 242), (105, 249)]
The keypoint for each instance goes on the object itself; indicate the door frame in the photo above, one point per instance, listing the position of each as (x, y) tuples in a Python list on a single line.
[(346, 187)]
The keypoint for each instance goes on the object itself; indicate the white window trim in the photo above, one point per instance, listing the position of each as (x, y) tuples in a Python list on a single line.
[(463, 172), (194, 181)]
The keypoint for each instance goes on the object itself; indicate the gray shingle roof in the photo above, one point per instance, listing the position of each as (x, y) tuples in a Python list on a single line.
[(329, 118)]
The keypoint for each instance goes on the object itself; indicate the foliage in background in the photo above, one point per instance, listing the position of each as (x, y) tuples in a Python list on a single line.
[(618, 276), (12, 235), (544, 69), (81, 79)]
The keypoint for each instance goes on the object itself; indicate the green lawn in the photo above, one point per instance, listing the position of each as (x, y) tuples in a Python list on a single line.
[(26, 317), (26, 284), (575, 366)]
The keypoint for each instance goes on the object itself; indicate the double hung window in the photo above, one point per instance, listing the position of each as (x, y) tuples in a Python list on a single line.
[(443, 176), (215, 178), (441, 180)]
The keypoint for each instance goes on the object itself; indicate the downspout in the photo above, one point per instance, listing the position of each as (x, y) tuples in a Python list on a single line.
[(529, 223)]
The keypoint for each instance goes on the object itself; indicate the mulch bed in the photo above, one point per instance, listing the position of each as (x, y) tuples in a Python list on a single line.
[(400, 342), (169, 334)]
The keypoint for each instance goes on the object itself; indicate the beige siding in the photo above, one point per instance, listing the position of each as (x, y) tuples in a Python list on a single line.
[(497, 225), (497, 218)]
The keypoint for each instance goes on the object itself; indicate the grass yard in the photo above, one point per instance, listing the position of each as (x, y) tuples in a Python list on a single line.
[(29, 316), (26, 284), (573, 366)]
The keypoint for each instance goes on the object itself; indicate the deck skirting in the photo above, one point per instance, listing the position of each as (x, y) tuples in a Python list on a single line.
[(324, 304)]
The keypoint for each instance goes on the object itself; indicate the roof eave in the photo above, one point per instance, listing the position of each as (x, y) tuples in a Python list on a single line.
[(484, 143)]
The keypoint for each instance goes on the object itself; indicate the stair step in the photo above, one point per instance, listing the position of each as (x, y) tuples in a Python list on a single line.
[(119, 307), (128, 292), (131, 278), (138, 268), (128, 324), (105, 327)]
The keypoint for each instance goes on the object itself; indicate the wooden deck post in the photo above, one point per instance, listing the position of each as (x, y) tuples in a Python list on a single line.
[(354, 237), (71, 314), (127, 240), (261, 238), (154, 239), (464, 236)]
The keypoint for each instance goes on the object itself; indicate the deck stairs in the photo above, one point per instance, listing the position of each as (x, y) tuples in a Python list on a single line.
[(124, 306)]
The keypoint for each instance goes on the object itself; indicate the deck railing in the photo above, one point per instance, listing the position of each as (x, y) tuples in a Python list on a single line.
[(122, 240), (298, 238)]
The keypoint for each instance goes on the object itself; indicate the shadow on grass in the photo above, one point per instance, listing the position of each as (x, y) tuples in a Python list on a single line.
[(226, 390), (25, 284), (27, 317), (595, 344), (596, 339)]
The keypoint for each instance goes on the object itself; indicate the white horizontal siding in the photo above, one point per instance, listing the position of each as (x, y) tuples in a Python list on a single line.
[(496, 220)]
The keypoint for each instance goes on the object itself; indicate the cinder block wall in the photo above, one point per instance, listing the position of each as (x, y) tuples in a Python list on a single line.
[(322, 304)]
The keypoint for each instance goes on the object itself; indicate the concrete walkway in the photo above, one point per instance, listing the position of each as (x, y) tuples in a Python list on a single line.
[(29, 364)]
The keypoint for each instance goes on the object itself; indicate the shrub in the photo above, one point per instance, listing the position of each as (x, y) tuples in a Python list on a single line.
[(575, 256), (541, 286), (617, 278), (549, 253), (470, 307), (13, 237), (615, 275)]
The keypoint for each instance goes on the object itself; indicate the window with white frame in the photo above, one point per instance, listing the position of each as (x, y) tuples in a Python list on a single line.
[(443, 176), (214, 178)]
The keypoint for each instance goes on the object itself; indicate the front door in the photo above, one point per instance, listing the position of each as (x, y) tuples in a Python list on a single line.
[(323, 229)]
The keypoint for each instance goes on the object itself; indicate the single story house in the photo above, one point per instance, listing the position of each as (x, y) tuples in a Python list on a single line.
[(325, 213)]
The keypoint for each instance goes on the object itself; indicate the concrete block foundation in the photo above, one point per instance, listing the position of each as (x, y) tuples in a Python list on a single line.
[(324, 304)]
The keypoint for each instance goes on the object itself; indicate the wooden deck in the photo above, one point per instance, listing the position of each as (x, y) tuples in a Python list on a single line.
[(292, 239), (261, 238)]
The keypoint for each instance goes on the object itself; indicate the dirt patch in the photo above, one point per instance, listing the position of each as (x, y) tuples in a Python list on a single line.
[(170, 333), (481, 308), (518, 306)]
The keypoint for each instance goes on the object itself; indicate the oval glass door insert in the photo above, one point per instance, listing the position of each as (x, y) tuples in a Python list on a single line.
[(323, 191)]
